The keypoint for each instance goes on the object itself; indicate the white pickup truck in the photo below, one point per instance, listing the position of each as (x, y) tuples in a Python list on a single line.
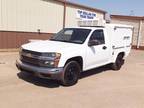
[(75, 50)]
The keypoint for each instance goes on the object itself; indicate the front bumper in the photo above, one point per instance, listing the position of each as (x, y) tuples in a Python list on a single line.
[(42, 72)]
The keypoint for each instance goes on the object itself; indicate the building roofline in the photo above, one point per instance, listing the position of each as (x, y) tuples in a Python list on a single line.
[(128, 17), (82, 6)]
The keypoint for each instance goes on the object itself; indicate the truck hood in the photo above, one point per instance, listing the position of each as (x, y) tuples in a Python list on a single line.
[(51, 46)]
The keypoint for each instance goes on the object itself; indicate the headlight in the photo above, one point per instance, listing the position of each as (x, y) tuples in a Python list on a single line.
[(57, 59), (50, 59), (49, 63), (52, 55)]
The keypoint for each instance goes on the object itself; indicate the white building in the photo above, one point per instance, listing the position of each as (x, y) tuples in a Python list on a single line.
[(21, 20)]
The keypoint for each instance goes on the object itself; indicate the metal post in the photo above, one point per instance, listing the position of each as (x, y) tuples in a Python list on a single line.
[(139, 34), (64, 15)]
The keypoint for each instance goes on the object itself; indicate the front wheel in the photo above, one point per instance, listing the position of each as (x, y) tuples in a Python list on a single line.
[(118, 63), (71, 73)]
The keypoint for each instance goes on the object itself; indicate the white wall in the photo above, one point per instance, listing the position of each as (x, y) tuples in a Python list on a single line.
[(30, 15), (0, 14)]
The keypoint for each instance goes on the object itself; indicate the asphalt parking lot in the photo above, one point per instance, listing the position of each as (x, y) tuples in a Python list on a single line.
[(98, 88)]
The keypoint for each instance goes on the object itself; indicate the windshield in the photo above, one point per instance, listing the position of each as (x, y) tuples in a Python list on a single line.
[(72, 35)]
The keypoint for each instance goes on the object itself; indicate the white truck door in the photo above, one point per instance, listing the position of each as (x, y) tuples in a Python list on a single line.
[(99, 53)]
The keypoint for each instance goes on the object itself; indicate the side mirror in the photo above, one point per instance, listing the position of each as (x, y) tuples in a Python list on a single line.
[(93, 43)]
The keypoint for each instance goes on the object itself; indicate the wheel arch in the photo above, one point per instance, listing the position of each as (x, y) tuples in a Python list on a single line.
[(122, 53), (116, 55), (78, 59)]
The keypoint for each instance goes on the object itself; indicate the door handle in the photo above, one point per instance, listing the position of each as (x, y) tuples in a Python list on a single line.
[(104, 47)]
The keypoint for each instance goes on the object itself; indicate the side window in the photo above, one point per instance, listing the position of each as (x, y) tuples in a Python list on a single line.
[(98, 36)]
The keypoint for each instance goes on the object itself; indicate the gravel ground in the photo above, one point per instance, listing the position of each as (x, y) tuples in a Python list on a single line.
[(98, 88)]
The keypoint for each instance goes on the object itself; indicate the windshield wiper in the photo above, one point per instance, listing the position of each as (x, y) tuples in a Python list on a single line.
[(77, 42), (59, 40), (52, 39)]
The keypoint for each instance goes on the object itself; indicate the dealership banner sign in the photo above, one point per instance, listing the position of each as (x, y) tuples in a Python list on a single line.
[(82, 14)]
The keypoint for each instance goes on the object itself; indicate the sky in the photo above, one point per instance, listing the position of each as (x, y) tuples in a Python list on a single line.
[(118, 7)]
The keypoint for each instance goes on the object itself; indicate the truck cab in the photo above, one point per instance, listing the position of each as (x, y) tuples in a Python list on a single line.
[(75, 50)]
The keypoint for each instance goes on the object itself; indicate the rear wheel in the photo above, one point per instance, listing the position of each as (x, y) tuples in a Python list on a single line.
[(71, 73), (118, 63)]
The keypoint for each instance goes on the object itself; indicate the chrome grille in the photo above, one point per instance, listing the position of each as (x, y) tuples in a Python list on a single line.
[(35, 58), (30, 60)]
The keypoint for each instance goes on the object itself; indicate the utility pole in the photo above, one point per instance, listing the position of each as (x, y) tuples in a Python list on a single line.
[(64, 14)]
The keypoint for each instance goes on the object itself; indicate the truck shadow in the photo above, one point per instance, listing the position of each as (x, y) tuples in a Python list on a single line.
[(38, 81), (55, 84)]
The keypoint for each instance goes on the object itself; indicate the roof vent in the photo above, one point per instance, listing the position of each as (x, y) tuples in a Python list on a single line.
[(96, 22)]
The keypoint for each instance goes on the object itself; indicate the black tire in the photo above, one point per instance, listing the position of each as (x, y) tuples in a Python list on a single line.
[(118, 63), (71, 73)]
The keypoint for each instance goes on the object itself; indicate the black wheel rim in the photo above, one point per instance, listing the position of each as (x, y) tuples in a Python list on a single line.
[(71, 75), (119, 62)]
